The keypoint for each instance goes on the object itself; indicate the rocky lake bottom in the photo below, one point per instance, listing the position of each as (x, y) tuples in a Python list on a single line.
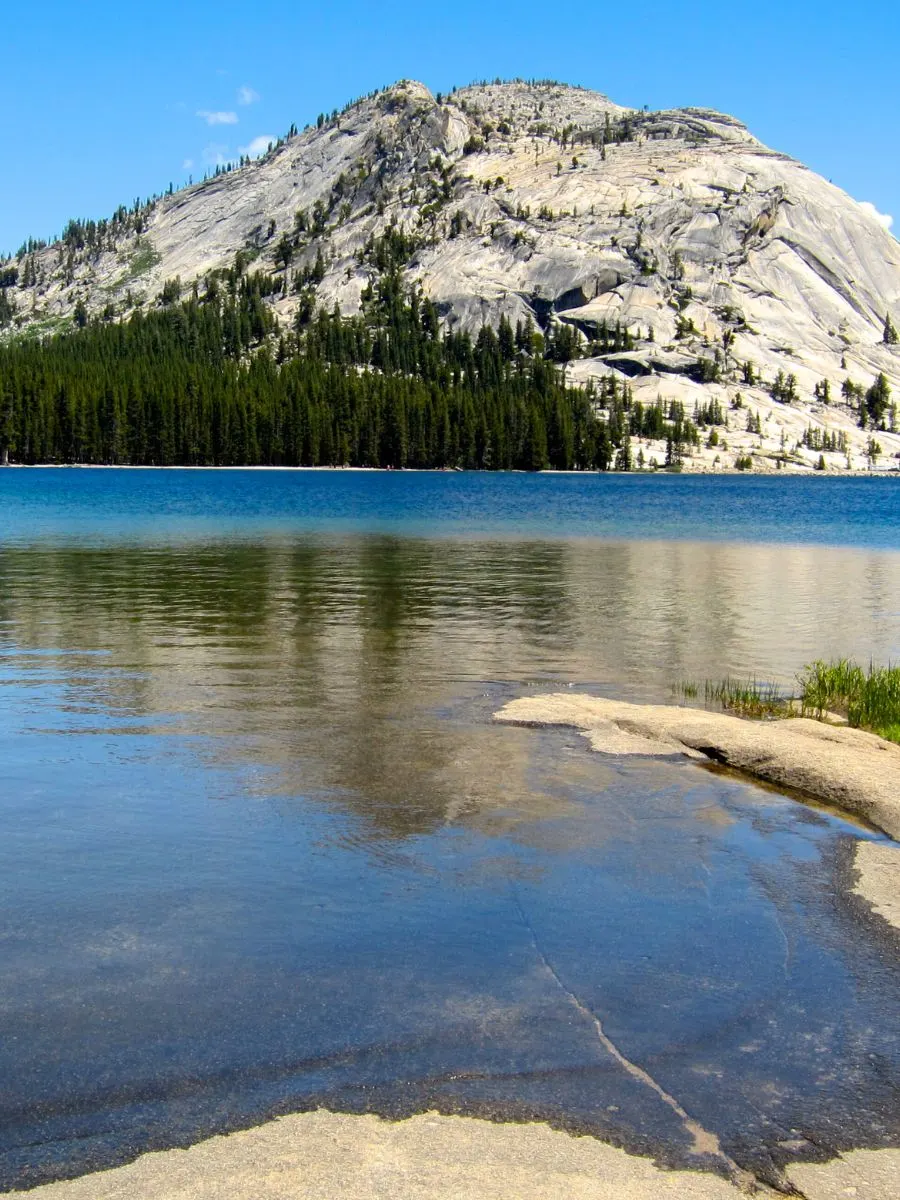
[(263, 848)]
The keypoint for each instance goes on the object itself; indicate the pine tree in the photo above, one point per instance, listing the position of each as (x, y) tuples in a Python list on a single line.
[(284, 252), (877, 401), (889, 337), (507, 341)]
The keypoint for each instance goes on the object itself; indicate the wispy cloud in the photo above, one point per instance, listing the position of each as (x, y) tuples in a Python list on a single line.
[(883, 219), (215, 154), (258, 146), (218, 118), (247, 95), (187, 164)]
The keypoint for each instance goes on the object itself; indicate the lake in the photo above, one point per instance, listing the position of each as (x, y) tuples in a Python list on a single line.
[(262, 848)]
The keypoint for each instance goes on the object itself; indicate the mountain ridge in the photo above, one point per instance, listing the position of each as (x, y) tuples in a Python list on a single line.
[(739, 276)]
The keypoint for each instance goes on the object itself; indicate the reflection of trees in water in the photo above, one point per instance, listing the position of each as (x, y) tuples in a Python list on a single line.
[(328, 659), (320, 659), (386, 581)]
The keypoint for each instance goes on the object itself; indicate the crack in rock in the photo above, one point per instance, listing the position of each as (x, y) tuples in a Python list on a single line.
[(703, 1141)]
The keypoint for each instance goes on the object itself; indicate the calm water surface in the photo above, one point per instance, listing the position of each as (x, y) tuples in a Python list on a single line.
[(261, 846)]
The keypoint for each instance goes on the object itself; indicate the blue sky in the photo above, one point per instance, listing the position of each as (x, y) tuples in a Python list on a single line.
[(103, 102)]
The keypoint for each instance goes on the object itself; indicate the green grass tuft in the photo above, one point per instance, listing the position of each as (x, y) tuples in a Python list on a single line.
[(827, 686), (687, 689), (868, 699), (749, 698)]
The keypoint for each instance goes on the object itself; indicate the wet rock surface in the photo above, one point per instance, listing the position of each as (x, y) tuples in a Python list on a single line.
[(850, 768)]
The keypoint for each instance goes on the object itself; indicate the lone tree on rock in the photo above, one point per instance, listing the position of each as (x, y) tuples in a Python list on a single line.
[(284, 252), (889, 337)]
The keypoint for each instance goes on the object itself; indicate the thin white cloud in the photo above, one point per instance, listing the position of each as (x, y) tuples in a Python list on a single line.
[(187, 164), (215, 155), (247, 95), (258, 146), (883, 219), (218, 118)]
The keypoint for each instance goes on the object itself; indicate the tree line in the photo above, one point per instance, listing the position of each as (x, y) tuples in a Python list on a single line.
[(213, 380), (206, 381)]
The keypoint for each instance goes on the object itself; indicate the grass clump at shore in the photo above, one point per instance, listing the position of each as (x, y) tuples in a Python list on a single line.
[(828, 686), (746, 697), (868, 699)]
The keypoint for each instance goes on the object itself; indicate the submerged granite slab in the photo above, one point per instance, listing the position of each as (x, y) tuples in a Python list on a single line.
[(850, 768)]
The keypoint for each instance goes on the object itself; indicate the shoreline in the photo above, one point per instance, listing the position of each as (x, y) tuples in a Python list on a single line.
[(662, 472)]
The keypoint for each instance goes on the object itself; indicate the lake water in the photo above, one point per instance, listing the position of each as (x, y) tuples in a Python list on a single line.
[(261, 846)]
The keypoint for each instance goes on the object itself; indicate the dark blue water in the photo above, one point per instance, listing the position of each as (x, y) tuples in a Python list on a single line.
[(129, 504), (262, 848)]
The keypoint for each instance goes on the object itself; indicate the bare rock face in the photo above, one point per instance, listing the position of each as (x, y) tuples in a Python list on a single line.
[(725, 261)]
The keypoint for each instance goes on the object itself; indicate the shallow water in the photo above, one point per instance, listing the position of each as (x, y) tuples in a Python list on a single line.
[(261, 846)]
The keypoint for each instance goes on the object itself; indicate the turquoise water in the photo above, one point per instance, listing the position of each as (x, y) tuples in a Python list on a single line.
[(261, 846)]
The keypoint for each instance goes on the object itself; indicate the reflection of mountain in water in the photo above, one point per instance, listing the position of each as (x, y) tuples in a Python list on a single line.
[(317, 659)]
